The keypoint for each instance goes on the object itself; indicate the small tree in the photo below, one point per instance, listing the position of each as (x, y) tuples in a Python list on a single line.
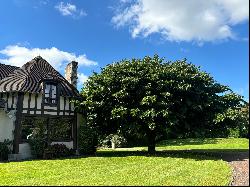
[(87, 140), (150, 96)]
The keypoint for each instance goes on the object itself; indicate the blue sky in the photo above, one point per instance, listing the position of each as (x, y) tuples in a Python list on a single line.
[(211, 34)]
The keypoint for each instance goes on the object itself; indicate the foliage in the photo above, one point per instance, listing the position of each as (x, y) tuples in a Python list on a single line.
[(60, 129), (57, 151), (105, 142), (38, 145), (38, 138), (155, 98), (238, 118), (5, 149), (87, 140), (117, 140)]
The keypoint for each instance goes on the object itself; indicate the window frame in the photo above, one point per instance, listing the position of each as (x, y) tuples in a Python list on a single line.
[(71, 132), (50, 98), (30, 127), (28, 123)]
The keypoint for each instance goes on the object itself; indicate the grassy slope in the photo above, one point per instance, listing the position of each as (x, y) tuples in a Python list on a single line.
[(209, 144), (121, 168)]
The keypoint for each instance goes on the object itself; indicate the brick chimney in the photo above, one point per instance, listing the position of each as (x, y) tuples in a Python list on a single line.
[(71, 73)]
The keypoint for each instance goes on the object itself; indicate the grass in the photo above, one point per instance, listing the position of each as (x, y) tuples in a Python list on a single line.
[(128, 167), (207, 145), (210, 144)]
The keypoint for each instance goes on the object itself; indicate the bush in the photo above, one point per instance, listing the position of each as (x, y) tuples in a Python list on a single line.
[(57, 151), (105, 142), (87, 141), (37, 142), (117, 140), (4, 149), (37, 147)]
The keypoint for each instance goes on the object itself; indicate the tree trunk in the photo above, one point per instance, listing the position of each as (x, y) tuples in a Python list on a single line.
[(151, 141)]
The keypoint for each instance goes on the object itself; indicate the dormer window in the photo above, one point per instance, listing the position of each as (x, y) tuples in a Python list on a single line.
[(50, 93)]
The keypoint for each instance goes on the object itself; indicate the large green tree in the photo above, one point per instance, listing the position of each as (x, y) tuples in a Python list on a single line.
[(151, 96)]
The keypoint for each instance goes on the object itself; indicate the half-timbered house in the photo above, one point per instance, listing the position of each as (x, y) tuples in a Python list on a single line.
[(38, 94)]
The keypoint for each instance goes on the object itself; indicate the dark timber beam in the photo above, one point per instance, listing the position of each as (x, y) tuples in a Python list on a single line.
[(17, 130), (75, 132)]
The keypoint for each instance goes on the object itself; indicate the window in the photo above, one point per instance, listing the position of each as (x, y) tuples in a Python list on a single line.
[(26, 130), (50, 93), (51, 129), (61, 129), (32, 126)]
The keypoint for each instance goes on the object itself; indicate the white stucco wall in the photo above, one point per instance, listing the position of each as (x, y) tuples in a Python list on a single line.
[(39, 101), (25, 100), (24, 151), (6, 126)]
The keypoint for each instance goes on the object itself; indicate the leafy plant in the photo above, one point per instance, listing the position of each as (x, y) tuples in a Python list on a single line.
[(5, 149), (87, 140), (38, 138), (117, 140), (57, 151)]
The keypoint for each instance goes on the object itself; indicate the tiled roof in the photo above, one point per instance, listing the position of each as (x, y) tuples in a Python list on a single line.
[(30, 76), (5, 70)]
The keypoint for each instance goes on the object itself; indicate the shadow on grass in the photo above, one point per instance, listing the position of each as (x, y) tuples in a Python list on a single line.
[(196, 154), (189, 141)]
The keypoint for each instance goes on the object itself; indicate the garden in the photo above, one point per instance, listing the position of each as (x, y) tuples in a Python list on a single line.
[(160, 123), (175, 162)]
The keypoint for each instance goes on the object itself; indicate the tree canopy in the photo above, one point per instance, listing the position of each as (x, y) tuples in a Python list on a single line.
[(151, 96)]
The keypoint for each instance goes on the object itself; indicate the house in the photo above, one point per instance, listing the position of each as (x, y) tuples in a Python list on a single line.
[(38, 94)]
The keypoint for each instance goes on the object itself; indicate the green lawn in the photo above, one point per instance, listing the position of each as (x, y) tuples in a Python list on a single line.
[(208, 144), (128, 167)]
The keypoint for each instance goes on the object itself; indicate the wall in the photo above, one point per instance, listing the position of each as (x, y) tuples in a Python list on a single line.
[(24, 151), (6, 126), (32, 104)]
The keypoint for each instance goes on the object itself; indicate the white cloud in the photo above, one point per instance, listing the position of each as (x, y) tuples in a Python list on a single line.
[(18, 55), (82, 78), (183, 20), (67, 9)]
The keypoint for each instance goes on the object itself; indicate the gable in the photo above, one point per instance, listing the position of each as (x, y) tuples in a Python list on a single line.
[(30, 76)]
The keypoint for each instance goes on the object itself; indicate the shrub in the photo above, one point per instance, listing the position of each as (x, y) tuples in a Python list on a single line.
[(5, 149), (57, 151), (37, 147), (105, 142), (37, 142), (87, 141), (117, 140)]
